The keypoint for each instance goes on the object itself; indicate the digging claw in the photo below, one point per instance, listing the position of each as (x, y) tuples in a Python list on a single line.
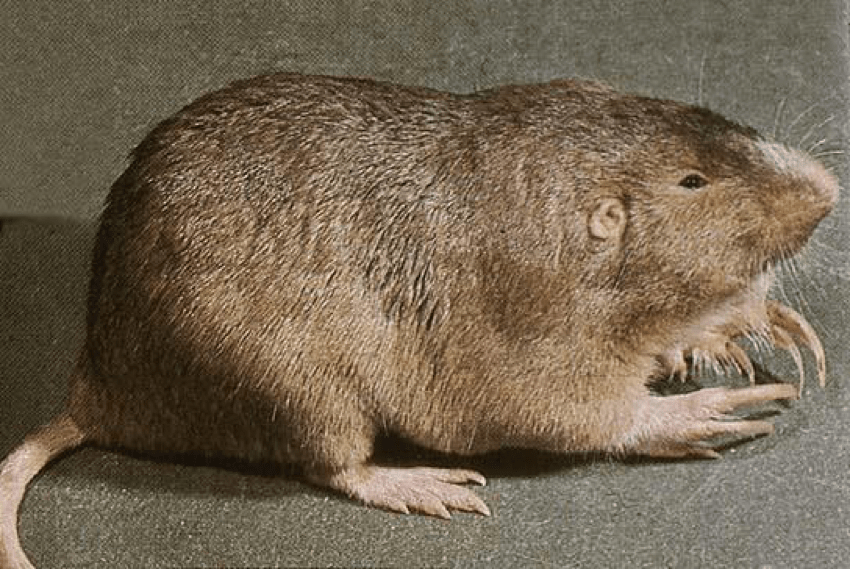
[(784, 340), (786, 325), (784, 328), (741, 361)]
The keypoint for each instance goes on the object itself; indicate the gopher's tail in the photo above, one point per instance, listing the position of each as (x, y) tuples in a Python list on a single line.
[(56, 437)]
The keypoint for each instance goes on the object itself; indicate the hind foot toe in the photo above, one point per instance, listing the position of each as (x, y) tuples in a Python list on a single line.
[(431, 491)]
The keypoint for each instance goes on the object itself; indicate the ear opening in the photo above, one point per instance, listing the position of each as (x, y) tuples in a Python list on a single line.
[(608, 220)]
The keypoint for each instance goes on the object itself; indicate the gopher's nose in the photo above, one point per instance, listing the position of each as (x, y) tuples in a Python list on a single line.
[(820, 185)]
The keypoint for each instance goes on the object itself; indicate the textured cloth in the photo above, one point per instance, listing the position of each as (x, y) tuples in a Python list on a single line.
[(80, 85)]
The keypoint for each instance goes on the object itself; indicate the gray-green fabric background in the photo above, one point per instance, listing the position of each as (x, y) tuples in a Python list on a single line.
[(81, 83)]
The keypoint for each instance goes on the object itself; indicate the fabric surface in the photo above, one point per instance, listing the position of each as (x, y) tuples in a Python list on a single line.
[(80, 84)]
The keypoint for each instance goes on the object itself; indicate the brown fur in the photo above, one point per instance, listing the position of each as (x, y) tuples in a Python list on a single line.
[(294, 265)]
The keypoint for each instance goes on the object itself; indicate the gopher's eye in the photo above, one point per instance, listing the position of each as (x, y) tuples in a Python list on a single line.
[(693, 181)]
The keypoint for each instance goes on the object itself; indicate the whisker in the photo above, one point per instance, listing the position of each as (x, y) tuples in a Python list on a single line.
[(816, 145), (836, 152), (797, 277), (777, 118), (700, 79), (814, 129), (789, 129), (837, 263)]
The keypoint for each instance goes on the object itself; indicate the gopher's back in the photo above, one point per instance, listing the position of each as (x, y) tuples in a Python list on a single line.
[(267, 267)]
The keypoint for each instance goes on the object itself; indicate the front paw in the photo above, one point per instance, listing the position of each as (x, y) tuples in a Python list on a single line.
[(780, 327)]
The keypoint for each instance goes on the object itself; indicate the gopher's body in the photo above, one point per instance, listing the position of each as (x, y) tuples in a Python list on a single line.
[(293, 265)]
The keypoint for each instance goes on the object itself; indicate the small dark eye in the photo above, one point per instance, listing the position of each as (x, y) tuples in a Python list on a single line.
[(693, 181)]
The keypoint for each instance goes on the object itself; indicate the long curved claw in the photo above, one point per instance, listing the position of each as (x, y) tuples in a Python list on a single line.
[(787, 324), (784, 340), (784, 328), (741, 361)]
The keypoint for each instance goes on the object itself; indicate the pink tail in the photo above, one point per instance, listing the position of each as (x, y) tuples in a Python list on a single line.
[(56, 437)]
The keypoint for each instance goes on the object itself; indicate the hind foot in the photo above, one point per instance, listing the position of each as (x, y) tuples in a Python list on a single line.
[(432, 491), (683, 425)]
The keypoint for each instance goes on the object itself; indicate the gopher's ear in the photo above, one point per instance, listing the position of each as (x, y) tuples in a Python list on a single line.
[(608, 220)]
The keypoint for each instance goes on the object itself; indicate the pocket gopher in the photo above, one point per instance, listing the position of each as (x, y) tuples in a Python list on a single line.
[(293, 265)]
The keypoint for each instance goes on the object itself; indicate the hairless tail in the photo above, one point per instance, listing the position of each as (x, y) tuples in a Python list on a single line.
[(39, 448)]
